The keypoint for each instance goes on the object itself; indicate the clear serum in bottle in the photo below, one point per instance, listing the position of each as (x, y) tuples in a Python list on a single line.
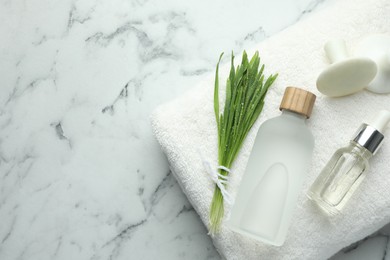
[(348, 166), (275, 172)]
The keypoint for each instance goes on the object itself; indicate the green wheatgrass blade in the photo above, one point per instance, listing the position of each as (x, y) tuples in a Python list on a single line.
[(244, 101), (216, 93)]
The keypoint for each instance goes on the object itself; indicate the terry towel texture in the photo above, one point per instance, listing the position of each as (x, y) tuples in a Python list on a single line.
[(187, 124)]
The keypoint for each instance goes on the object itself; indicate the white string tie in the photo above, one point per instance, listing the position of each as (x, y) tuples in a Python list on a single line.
[(219, 179)]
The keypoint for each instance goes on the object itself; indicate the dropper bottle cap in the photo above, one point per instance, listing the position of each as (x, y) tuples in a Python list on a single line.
[(370, 135)]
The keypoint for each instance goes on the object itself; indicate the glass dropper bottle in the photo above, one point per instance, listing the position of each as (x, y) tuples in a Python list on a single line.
[(348, 166)]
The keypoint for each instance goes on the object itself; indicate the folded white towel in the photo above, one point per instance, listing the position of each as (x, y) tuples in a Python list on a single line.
[(187, 124)]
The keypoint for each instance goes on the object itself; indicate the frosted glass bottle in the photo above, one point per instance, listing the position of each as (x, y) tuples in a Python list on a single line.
[(348, 166), (275, 172)]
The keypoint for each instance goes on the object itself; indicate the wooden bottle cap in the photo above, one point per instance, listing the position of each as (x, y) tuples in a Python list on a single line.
[(298, 100)]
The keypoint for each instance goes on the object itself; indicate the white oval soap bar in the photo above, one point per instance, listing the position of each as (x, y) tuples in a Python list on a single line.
[(377, 48), (346, 75)]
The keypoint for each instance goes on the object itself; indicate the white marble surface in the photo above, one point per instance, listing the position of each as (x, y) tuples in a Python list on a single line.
[(81, 176)]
